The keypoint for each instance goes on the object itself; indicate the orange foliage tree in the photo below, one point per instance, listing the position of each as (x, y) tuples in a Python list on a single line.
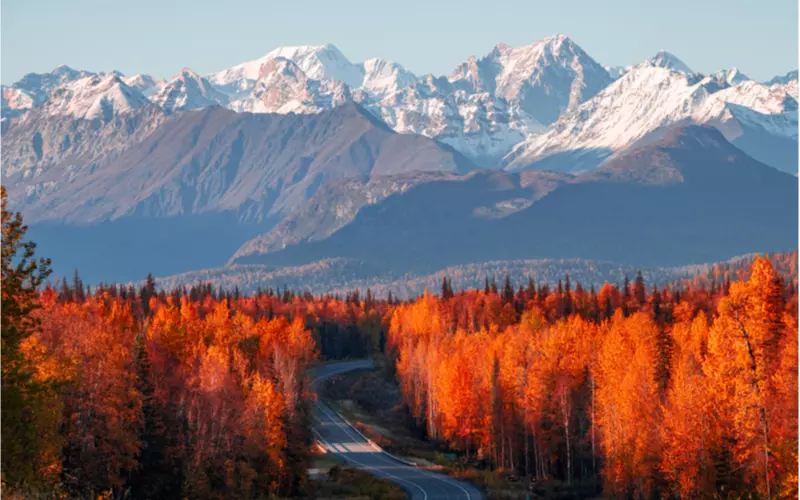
[(689, 390)]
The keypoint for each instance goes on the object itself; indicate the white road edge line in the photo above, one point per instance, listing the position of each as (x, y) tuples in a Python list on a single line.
[(439, 477), (382, 454), (376, 472), (371, 442)]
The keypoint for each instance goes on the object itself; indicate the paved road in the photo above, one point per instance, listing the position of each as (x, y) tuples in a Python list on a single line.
[(337, 436)]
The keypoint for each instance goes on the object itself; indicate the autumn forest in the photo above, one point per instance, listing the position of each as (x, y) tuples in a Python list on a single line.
[(687, 390)]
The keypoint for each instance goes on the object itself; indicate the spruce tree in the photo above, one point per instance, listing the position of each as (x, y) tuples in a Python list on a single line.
[(147, 291), (531, 290), (609, 310), (65, 295), (639, 292), (152, 477), (626, 295), (656, 303), (28, 424), (508, 291), (77, 287)]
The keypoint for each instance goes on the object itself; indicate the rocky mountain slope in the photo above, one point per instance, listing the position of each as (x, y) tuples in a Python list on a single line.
[(787, 82), (545, 78), (337, 204), (40, 142), (95, 97), (283, 87), (690, 197), (187, 90), (198, 173), (145, 84), (35, 88), (213, 159), (649, 99)]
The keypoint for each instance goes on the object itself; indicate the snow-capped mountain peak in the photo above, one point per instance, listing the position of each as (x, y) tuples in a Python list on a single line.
[(283, 87), (783, 79), (382, 77), (374, 79), (649, 99), (664, 59), (62, 69), (188, 90), (140, 80), (788, 82), (318, 62), (16, 102), (277, 69), (732, 76), (322, 62), (186, 72), (522, 64), (612, 118), (759, 98), (40, 85), (546, 77), (145, 84), (95, 97)]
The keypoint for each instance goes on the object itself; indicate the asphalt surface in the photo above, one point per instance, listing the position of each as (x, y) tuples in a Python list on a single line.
[(337, 436)]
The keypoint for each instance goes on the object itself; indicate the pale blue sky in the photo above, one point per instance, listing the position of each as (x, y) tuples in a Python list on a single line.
[(427, 36)]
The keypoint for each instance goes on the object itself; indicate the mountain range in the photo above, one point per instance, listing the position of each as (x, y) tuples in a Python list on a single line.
[(499, 110), (302, 156)]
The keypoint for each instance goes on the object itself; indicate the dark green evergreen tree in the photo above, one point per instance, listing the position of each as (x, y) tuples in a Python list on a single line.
[(530, 291), (65, 294), (626, 295), (508, 291), (447, 288), (153, 477), (77, 287), (24, 401), (147, 291), (656, 303), (639, 291)]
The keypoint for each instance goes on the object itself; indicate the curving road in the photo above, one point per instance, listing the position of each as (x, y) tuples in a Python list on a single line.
[(336, 435)]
